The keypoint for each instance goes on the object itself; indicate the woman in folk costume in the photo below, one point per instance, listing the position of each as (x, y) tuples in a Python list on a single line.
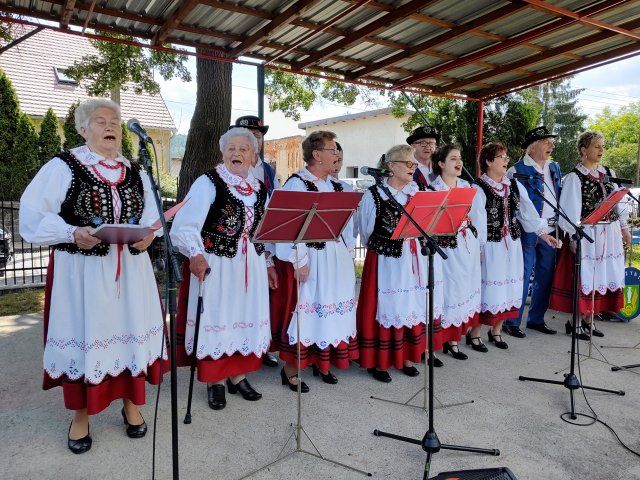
[(327, 303), (461, 270), (223, 209), (392, 307), (602, 262), (508, 209), (103, 317)]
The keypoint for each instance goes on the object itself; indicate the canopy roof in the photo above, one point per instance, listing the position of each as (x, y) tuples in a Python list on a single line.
[(473, 48)]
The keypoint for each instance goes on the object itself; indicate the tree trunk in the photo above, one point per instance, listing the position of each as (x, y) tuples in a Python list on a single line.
[(210, 120)]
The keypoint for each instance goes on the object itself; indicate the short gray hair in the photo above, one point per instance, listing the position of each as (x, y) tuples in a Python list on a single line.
[(85, 110), (238, 132), (395, 153), (585, 139)]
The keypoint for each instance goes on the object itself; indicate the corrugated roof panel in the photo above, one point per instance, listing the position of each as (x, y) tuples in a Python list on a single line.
[(621, 14), (462, 12), (511, 55), (567, 34), (520, 22), (465, 71), (411, 32), (420, 63), (465, 45), (604, 46)]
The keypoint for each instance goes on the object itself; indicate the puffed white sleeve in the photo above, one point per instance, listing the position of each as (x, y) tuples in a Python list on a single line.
[(527, 214), (622, 207), (188, 222), (287, 251), (478, 214), (366, 217), (40, 222), (570, 202), (150, 211)]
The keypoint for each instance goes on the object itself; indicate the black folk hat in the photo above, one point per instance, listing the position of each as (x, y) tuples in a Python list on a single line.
[(536, 134), (423, 132), (251, 122)]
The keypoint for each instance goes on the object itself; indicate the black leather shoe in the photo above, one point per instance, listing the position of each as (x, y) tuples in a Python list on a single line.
[(293, 386), (479, 346), (269, 360), (513, 331), (245, 389), (594, 331), (436, 362), (328, 377), (410, 371), (497, 339), (380, 375), (542, 328), (80, 445), (454, 351), (134, 431), (215, 394), (580, 335)]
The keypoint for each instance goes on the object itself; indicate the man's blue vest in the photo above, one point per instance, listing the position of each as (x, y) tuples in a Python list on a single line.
[(537, 183), (269, 177)]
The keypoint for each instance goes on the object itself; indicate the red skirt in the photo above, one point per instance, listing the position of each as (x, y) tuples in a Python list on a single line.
[(78, 395), (208, 369), (382, 347), (492, 319), (455, 334), (283, 302), (562, 289)]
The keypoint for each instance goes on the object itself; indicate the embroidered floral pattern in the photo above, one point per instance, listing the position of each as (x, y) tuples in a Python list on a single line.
[(307, 342), (103, 344), (324, 311)]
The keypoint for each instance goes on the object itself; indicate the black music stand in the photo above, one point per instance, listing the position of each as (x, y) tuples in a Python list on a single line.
[(430, 443), (571, 381), (440, 213), (305, 217)]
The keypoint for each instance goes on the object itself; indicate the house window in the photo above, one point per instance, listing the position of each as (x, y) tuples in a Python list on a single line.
[(62, 77)]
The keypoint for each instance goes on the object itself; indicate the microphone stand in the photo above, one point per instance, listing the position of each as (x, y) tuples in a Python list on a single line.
[(430, 442), (571, 381), (174, 276)]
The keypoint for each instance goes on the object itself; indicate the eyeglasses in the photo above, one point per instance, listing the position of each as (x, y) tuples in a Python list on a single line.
[(425, 144), (408, 163), (335, 151), (503, 157)]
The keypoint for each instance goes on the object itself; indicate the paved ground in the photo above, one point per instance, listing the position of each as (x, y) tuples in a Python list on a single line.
[(522, 419)]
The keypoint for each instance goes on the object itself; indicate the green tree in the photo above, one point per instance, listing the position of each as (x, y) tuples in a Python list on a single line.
[(126, 147), (121, 66), (49, 142), (9, 114), (72, 138), (6, 33), (22, 161)]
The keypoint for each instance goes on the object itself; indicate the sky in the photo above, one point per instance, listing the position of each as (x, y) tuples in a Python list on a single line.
[(613, 85)]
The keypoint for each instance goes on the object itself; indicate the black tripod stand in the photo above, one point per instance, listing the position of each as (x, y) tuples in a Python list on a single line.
[(173, 277), (571, 381), (430, 442)]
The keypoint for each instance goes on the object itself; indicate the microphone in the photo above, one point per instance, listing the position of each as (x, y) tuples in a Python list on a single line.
[(617, 180), (376, 172), (134, 126)]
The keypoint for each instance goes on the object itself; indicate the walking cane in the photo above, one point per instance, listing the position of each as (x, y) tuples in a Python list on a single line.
[(187, 417)]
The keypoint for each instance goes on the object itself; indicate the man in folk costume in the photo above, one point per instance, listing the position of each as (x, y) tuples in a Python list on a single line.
[(267, 175), (424, 141), (539, 256)]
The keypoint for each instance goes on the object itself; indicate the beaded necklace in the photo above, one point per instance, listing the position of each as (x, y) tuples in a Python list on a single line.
[(244, 190), (106, 180)]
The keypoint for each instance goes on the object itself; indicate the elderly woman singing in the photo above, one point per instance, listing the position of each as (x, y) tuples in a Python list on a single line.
[(103, 318), (327, 304), (224, 208), (392, 308)]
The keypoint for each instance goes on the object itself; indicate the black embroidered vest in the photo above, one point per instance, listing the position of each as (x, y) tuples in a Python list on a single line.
[(495, 211), (594, 192), (451, 241), (224, 224), (387, 218), (311, 187), (89, 203)]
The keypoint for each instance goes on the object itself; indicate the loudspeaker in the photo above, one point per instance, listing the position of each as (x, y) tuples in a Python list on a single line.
[(501, 473)]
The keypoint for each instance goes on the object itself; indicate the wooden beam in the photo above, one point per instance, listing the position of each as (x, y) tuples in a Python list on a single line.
[(545, 29), (589, 62), (527, 62), (282, 19), (67, 11), (445, 37), (174, 20), (371, 28)]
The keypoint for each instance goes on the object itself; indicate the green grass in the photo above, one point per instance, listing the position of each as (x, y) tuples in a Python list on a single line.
[(17, 302)]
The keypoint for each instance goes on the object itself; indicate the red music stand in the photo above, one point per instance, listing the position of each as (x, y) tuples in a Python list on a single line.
[(305, 217), (439, 213)]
